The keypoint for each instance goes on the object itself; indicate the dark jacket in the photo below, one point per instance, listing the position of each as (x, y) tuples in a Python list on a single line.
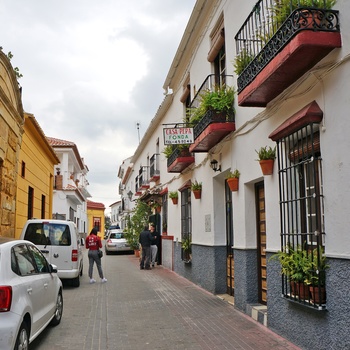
[(156, 237), (146, 238)]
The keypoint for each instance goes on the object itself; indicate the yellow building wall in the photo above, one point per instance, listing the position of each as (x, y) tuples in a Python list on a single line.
[(96, 213), (39, 159)]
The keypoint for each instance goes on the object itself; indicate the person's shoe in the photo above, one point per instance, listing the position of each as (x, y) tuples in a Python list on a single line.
[(104, 280), (92, 280), (152, 265), (148, 268), (142, 268)]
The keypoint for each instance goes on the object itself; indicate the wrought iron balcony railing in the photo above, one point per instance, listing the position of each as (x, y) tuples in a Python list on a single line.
[(209, 83), (271, 25)]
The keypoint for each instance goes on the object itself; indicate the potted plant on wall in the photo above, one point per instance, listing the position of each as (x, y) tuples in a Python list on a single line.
[(196, 188), (174, 196), (233, 179), (267, 156)]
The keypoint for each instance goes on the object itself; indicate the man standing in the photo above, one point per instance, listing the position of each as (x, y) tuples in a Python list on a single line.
[(154, 244), (145, 240)]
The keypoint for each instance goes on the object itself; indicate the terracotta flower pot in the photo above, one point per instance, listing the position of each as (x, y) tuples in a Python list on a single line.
[(318, 294), (197, 194), (267, 166), (175, 200), (233, 183)]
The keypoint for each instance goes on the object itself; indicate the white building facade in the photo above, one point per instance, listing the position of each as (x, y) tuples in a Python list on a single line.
[(292, 95), (70, 188)]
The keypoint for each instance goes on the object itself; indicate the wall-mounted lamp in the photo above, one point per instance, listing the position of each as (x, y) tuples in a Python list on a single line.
[(130, 195), (214, 165)]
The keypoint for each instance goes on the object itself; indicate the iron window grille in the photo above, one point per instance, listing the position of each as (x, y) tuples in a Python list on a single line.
[(302, 213), (186, 221)]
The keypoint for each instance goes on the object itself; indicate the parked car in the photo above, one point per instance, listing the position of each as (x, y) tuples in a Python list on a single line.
[(112, 227), (30, 294), (59, 241), (116, 242)]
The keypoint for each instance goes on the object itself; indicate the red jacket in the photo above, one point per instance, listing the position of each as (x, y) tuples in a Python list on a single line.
[(93, 242)]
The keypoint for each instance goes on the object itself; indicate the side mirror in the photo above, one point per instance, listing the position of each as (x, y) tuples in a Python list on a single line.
[(53, 268)]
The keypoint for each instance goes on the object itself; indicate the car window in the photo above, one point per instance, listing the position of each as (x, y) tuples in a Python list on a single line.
[(41, 262), (44, 233), (22, 262), (116, 235)]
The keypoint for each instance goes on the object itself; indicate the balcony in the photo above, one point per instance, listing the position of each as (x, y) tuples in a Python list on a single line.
[(277, 45), (212, 113), (179, 160)]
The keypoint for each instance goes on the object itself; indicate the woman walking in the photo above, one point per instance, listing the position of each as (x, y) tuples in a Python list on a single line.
[(93, 243)]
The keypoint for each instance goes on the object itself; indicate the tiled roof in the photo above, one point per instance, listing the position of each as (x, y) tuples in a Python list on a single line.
[(95, 205), (57, 142)]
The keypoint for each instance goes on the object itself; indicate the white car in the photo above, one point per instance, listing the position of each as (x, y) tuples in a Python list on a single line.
[(60, 243), (116, 242), (30, 294)]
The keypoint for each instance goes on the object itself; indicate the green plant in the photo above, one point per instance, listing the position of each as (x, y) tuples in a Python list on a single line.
[(318, 264), (186, 245), (242, 60), (266, 153), (173, 194), (155, 205), (16, 69), (168, 150), (219, 99), (295, 263), (281, 9), (137, 222), (235, 174), (196, 185)]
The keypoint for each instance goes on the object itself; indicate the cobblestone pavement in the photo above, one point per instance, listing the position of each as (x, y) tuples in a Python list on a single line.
[(157, 309)]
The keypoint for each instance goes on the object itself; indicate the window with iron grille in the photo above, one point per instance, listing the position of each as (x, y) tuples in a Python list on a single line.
[(302, 216), (186, 222)]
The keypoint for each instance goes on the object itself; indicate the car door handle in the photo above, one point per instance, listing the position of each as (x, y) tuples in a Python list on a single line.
[(29, 290), (45, 251)]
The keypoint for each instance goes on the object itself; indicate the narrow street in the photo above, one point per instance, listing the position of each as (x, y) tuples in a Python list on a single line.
[(157, 309)]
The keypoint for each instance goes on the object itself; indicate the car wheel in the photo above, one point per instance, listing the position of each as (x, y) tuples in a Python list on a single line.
[(22, 341), (59, 310), (76, 281)]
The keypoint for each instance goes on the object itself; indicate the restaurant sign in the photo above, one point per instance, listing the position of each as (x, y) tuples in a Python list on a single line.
[(178, 136)]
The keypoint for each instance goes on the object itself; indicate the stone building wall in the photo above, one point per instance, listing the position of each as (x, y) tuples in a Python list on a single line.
[(11, 130)]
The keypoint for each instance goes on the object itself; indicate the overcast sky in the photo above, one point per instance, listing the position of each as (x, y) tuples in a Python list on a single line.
[(92, 70)]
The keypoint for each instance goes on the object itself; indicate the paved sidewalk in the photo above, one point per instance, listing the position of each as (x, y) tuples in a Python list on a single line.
[(157, 309)]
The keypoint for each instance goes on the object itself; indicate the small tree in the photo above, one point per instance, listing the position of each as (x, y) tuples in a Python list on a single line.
[(139, 219)]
